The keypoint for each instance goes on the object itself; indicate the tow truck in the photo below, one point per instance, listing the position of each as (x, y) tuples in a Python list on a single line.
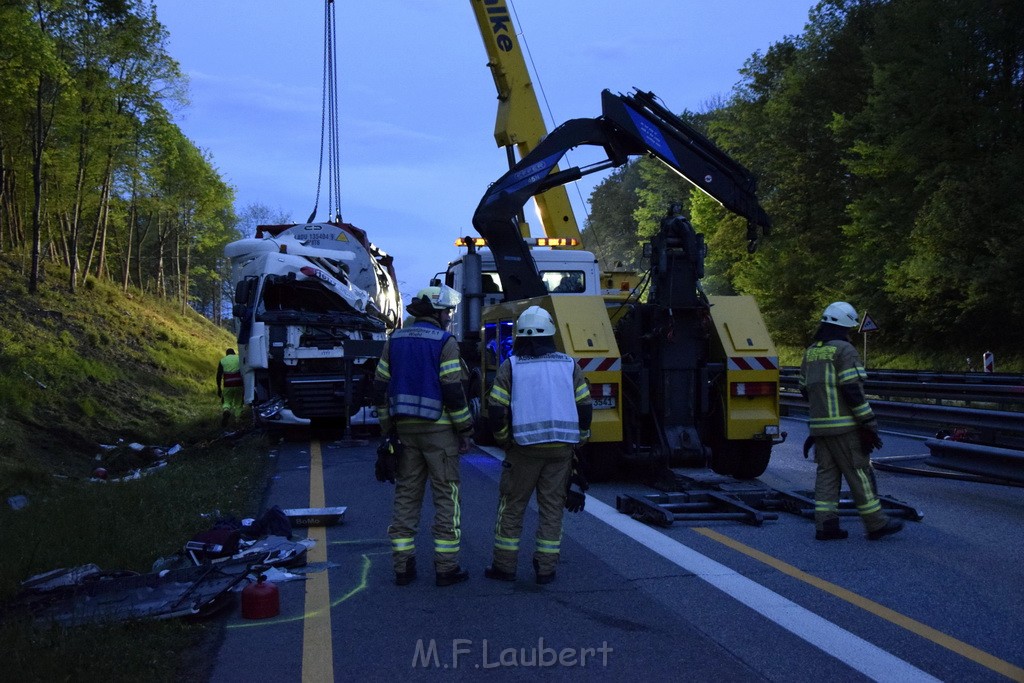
[(678, 377)]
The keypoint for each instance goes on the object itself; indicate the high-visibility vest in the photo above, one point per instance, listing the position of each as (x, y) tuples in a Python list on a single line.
[(415, 389), (231, 376)]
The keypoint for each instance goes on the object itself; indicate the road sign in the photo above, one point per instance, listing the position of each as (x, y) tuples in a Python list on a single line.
[(867, 324)]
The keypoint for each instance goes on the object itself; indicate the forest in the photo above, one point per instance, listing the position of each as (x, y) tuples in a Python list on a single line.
[(887, 138)]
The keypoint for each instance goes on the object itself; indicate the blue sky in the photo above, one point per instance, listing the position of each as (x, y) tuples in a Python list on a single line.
[(416, 100)]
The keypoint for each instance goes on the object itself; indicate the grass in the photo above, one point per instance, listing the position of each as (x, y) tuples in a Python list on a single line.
[(78, 372)]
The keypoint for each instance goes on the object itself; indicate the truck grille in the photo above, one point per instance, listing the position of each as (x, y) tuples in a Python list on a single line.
[(317, 396)]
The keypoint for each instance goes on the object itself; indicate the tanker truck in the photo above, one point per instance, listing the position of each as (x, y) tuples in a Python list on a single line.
[(313, 305)]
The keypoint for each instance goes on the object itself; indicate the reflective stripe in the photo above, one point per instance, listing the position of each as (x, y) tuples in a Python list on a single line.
[(450, 367), (544, 546), (826, 506), (862, 411), (403, 544), (500, 396), (582, 392), (416, 406), (828, 422), (503, 543), (871, 504), (855, 374), (443, 545)]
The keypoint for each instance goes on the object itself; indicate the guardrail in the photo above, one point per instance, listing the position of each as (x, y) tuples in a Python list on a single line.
[(1001, 389), (987, 442)]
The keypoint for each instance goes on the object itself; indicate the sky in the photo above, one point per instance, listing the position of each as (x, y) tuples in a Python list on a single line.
[(416, 100)]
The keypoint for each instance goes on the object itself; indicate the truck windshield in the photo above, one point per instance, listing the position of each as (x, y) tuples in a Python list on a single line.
[(556, 281)]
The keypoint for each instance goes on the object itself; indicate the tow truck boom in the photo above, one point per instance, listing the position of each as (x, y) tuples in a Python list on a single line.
[(630, 125)]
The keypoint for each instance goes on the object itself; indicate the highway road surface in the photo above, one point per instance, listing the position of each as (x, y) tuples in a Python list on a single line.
[(700, 600)]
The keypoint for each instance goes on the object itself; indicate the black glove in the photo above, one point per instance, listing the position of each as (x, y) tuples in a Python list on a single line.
[(386, 468), (808, 445), (575, 498), (869, 440), (575, 501)]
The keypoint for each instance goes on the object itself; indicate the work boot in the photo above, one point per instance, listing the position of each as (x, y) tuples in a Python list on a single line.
[(452, 577), (891, 527), (830, 531), (543, 579), (406, 577), (499, 574)]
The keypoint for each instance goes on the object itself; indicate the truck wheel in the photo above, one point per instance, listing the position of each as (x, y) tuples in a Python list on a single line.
[(600, 461), (754, 460)]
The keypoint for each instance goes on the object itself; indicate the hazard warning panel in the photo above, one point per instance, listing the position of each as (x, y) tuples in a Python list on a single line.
[(867, 324)]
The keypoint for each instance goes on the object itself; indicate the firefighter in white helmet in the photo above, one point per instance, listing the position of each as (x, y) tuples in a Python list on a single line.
[(419, 395), (540, 408), (842, 425)]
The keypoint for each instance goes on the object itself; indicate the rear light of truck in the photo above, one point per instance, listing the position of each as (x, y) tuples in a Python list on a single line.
[(605, 396), (753, 388)]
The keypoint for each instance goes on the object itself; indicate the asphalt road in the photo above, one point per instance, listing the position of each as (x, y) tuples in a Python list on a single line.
[(700, 600)]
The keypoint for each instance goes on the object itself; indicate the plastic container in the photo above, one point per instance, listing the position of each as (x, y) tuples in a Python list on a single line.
[(260, 600)]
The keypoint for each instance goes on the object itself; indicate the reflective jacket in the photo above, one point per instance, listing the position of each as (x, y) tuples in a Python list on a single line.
[(419, 377), (545, 398), (229, 372), (832, 378)]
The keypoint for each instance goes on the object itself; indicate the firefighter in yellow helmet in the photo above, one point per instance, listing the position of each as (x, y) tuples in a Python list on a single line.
[(540, 408), (229, 375), (842, 425), (420, 396)]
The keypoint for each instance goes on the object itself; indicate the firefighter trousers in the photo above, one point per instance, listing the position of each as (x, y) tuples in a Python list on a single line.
[(430, 452), (842, 457), (527, 469)]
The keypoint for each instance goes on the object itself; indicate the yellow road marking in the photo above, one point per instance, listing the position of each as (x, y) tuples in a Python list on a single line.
[(938, 637), (317, 654)]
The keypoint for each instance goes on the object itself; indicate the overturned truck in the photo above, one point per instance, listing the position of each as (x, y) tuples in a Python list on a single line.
[(313, 305)]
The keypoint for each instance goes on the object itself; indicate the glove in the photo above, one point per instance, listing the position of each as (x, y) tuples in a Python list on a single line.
[(575, 501), (386, 467), (584, 437), (869, 439), (576, 498)]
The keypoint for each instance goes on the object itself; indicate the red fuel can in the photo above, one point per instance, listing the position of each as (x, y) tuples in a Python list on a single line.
[(261, 599)]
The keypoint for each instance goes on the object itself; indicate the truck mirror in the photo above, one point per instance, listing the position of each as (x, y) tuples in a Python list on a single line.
[(240, 311), (242, 292)]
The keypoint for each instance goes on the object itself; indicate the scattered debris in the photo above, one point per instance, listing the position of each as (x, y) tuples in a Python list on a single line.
[(132, 460)]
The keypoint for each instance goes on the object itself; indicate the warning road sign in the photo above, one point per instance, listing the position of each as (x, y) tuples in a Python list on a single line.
[(867, 324)]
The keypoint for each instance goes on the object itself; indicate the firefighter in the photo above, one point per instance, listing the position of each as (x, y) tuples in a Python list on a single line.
[(419, 394), (843, 427), (540, 408), (229, 374)]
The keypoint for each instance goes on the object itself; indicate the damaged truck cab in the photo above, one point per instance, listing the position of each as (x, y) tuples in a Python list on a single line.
[(313, 305)]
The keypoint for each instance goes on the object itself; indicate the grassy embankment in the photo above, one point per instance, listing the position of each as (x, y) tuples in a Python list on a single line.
[(104, 368)]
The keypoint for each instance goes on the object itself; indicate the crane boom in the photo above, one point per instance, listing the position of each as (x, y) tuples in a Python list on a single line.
[(520, 123), (629, 125)]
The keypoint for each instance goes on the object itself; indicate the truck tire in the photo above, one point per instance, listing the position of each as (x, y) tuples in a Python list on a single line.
[(600, 461)]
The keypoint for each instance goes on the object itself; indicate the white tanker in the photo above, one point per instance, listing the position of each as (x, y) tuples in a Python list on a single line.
[(313, 306)]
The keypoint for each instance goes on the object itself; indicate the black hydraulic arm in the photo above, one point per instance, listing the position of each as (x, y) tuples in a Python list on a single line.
[(630, 125)]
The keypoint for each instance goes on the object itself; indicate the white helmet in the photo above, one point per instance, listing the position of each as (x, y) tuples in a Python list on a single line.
[(841, 314), (440, 298), (535, 322)]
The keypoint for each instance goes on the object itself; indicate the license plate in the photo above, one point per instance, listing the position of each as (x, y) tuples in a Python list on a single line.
[(604, 403)]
